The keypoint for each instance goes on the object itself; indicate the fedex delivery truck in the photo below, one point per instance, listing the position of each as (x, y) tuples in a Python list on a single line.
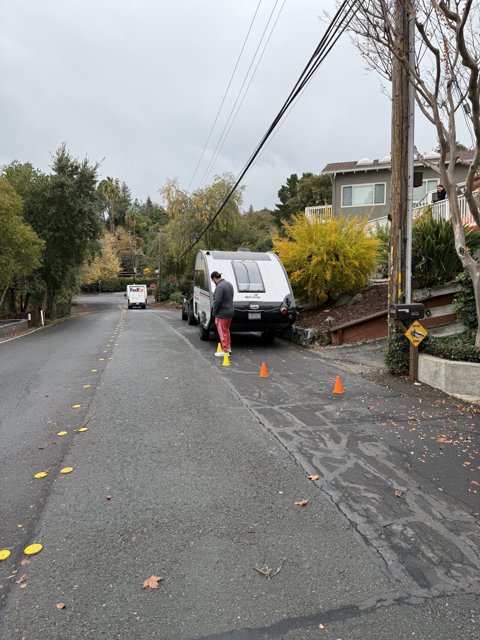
[(263, 299), (136, 296)]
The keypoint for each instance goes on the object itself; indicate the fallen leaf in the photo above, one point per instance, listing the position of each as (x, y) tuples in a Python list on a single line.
[(152, 582), (313, 477), (60, 605), (301, 503), (466, 464), (24, 561), (108, 497), (477, 484), (321, 626), (23, 585), (21, 579), (444, 439), (399, 494)]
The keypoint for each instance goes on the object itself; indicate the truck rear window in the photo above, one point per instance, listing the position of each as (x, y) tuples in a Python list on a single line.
[(248, 276)]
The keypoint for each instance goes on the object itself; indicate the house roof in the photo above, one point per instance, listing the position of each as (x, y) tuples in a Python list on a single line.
[(465, 156)]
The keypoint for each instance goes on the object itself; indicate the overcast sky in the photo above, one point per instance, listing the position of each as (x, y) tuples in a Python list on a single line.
[(136, 84)]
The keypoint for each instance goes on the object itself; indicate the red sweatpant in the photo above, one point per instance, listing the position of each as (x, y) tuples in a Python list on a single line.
[(223, 328)]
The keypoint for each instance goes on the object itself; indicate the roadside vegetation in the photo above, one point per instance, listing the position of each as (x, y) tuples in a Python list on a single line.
[(67, 230)]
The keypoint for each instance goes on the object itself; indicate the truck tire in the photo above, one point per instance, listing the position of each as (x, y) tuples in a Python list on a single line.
[(268, 336), (204, 333), (191, 318)]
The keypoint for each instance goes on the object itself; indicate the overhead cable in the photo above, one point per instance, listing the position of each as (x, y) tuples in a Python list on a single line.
[(335, 29), (231, 118), (225, 95)]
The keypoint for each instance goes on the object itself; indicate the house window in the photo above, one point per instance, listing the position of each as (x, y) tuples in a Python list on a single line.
[(427, 187), (363, 195), (248, 276)]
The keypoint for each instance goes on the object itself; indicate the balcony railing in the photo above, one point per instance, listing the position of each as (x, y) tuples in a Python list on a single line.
[(441, 210), (322, 212)]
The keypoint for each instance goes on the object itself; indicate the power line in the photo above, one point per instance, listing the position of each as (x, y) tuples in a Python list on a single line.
[(225, 94), (333, 33), (231, 119)]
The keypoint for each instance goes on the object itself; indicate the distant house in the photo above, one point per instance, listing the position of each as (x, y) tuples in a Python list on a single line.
[(363, 187)]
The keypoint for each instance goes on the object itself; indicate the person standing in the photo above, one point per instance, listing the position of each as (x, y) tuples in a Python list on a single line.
[(222, 311), (440, 194)]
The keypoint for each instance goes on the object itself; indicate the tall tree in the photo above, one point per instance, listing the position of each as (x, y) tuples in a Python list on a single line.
[(447, 83), (111, 191), (67, 215), (308, 191), (20, 247)]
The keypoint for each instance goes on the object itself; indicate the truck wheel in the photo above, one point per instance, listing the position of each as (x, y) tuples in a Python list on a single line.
[(268, 337), (184, 315), (191, 318), (204, 333)]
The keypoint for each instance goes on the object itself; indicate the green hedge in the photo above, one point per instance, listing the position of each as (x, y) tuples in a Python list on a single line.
[(461, 347), (114, 285)]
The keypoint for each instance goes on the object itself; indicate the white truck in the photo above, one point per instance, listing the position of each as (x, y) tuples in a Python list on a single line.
[(136, 296)]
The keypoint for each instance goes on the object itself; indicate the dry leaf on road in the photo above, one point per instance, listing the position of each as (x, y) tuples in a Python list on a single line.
[(399, 494), (313, 477), (302, 503), (152, 582), (60, 605)]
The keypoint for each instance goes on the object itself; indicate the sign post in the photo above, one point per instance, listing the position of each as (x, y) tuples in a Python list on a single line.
[(415, 333)]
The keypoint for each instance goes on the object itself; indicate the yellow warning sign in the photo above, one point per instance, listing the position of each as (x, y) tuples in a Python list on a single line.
[(416, 333)]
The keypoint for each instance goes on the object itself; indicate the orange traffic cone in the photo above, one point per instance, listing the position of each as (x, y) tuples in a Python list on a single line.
[(226, 360), (338, 388), (263, 371)]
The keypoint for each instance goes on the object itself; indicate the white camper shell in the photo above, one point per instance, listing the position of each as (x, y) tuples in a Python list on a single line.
[(263, 298), (137, 296)]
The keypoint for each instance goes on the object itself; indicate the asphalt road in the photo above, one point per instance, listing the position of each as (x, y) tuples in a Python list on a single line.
[(190, 471)]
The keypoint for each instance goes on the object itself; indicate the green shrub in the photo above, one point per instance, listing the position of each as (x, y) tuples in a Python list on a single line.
[(464, 303), (434, 259), (176, 296), (396, 354), (382, 233), (461, 347)]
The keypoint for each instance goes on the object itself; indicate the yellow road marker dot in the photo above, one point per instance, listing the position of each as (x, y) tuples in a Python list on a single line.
[(41, 474), (4, 553), (94, 370), (82, 429), (75, 406), (32, 549), (66, 470), (87, 386), (62, 433)]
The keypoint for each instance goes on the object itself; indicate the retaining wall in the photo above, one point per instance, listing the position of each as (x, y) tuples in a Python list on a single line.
[(461, 379), (7, 327)]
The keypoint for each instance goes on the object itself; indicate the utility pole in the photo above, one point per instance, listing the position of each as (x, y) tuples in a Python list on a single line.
[(400, 165), (159, 280)]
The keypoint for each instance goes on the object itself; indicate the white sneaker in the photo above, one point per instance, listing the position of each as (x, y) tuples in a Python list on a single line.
[(219, 354)]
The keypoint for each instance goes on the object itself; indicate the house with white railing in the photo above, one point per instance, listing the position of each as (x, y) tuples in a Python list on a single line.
[(363, 188)]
